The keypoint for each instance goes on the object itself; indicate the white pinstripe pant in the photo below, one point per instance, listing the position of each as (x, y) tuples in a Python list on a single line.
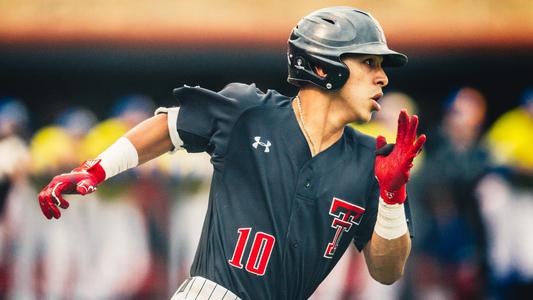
[(199, 288)]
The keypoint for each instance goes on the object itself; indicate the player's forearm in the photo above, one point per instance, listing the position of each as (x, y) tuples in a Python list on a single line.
[(144, 142), (150, 138), (389, 247), (386, 258)]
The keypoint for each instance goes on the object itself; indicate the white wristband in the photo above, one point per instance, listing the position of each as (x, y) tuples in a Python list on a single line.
[(390, 222), (119, 157)]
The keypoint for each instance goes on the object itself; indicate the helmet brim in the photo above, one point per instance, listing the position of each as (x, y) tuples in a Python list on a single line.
[(391, 58)]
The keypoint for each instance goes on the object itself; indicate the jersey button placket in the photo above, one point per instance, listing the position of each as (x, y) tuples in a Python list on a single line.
[(306, 183)]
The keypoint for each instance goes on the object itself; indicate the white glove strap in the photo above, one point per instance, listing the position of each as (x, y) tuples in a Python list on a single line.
[(390, 223), (119, 157)]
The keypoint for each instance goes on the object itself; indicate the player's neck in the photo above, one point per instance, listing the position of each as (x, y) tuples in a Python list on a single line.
[(321, 124)]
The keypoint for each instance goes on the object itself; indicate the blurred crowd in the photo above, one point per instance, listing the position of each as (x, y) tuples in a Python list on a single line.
[(471, 196)]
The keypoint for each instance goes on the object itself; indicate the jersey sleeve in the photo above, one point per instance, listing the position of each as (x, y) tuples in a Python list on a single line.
[(369, 221), (206, 118), (366, 228)]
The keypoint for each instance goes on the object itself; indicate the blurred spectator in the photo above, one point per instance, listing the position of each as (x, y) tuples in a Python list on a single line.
[(52, 150), (133, 109), (510, 138), (450, 238), (506, 201), (14, 117), (14, 161), (57, 148), (507, 208), (77, 121), (14, 156)]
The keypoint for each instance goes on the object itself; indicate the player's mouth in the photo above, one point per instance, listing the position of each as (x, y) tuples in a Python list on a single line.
[(375, 99)]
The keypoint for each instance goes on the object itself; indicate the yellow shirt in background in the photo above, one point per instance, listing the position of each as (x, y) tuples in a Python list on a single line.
[(510, 139)]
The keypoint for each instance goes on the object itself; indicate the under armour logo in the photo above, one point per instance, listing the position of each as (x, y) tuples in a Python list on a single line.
[(258, 143)]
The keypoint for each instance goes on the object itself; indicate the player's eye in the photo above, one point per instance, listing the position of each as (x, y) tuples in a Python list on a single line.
[(370, 61)]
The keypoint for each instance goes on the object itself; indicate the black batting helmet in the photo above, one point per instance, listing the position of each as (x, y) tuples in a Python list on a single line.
[(322, 37)]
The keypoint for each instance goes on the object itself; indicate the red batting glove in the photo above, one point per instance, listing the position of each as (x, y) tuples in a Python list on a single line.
[(82, 180), (392, 169)]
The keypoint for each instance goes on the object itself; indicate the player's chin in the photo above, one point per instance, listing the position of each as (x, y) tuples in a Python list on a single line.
[(364, 117)]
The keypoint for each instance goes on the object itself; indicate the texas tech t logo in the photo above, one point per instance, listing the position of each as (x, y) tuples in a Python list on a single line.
[(345, 215)]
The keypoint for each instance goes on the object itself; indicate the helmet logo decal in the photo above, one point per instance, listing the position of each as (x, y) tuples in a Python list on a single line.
[(300, 63)]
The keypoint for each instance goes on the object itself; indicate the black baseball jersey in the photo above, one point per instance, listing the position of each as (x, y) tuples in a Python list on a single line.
[(278, 219)]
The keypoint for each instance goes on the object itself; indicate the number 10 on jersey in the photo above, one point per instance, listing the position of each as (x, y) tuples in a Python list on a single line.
[(259, 256)]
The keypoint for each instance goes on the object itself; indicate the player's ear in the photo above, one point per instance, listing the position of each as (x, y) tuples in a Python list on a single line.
[(320, 71)]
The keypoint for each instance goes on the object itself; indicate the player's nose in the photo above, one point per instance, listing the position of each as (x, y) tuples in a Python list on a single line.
[(381, 78)]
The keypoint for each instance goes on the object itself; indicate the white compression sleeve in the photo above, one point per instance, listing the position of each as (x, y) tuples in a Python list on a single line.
[(119, 157), (390, 222)]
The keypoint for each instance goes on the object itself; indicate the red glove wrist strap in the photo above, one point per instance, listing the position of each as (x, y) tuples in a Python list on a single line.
[(394, 197), (93, 167)]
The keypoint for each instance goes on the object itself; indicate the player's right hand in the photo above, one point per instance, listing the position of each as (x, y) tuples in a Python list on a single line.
[(82, 180), (392, 169)]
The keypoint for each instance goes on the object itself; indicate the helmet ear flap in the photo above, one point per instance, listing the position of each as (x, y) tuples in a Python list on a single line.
[(317, 69), (302, 69), (333, 77), (336, 77)]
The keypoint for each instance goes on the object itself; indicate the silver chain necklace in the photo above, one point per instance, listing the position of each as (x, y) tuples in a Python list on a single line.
[(300, 112)]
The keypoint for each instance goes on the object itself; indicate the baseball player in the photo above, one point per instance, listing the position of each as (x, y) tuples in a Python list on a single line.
[(293, 186)]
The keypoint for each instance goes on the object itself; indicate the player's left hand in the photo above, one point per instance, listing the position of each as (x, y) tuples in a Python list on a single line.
[(82, 180), (392, 169)]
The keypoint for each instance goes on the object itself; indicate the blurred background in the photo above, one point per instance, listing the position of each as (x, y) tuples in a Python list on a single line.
[(76, 75)]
